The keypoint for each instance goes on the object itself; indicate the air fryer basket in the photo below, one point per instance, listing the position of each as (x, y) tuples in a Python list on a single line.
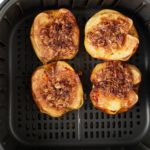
[(21, 123)]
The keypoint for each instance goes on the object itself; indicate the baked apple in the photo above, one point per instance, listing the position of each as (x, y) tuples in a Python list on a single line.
[(56, 88), (115, 86), (109, 35), (55, 35)]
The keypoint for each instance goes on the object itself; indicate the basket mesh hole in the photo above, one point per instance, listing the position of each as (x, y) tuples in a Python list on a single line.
[(73, 135), (18, 31), (39, 116), (119, 134), (19, 119), (130, 132), (27, 117), (33, 127), (131, 124), (62, 125), (113, 117), (33, 117), (44, 117), (39, 126), (130, 115), (137, 110), (85, 115), (108, 124), (108, 116), (19, 42), (73, 116), (138, 103), (18, 87), (91, 106), (45, 136), (19, 94), (138, 123), (102, 115), (62, 134), (91, 115), (124, 132), (68, 135), (119, 116), (73, 125), (103, 134), (19, 100), (102, 125), (50, 126), (50, 135), (124, 115), (97, 124), (33, 107), (91, 134), (49, 118), (96, 115), (114, 134), (67, 116), (19, 107), (125, 124), (113, 124), (39, 136), (33, 134), (91, 125), (18, 55), (138, 116), (108, 134), (85, 125), (19, 113), (67, 125), (19, 49), (97, 134), (86, 134), (27, 127), (119, 124), (19, 125), (56, 125), (56, 135), (45, 126)]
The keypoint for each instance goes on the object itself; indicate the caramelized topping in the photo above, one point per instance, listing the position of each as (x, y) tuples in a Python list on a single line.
[(57, 89), (57, 93), (115, 78), (109, 33), (59, 35)]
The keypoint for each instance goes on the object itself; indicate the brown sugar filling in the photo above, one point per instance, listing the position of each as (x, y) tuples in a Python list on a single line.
[(59, 34), (115, 79), (58, 91), (109, 33)]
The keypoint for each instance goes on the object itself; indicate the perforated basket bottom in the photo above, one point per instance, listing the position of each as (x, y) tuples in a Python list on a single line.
[(86, 126)]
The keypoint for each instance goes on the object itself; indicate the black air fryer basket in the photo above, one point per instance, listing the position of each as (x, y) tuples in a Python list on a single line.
[(22, 126)]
